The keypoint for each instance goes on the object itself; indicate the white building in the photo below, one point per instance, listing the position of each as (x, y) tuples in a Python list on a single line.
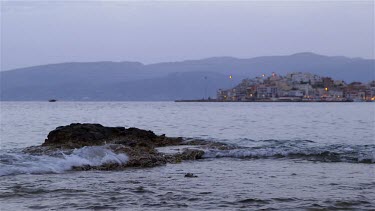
[(336, 94), (300, 77), (295, 93), (266, 91), (307, 89)]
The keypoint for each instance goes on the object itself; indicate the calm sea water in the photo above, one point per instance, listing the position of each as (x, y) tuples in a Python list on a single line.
[(303, 156)]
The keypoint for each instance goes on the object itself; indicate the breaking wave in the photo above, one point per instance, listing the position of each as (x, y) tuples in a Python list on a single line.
[(20, 163), (13, 163), (305, 150)]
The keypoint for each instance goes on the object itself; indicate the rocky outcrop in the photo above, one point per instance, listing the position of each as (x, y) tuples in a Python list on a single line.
[(139, 145), (79, 135)]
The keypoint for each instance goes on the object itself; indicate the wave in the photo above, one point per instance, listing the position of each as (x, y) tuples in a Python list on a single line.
[(292, 149), (13, 163), (20, 163)]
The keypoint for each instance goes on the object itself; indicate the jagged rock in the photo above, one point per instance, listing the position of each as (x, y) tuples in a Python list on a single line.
[(78, 135), (139, 145), (191, 154)]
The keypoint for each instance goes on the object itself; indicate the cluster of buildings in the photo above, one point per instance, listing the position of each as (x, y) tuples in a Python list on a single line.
[(298, 86)]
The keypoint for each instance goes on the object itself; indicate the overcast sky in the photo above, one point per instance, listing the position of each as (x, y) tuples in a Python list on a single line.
[(34, 33)]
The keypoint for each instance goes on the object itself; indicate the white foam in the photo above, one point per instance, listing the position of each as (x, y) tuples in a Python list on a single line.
[(176, 149), (370, 156), (318, 153), (19, 163)]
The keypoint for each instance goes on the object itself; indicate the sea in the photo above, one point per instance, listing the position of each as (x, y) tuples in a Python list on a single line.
[(290, 156)]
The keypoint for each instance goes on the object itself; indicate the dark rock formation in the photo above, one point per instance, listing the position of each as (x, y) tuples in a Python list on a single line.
[(191, 175), (139, 145), (79, 135)]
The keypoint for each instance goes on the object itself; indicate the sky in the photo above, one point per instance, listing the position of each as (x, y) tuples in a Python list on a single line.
[(45, 32)]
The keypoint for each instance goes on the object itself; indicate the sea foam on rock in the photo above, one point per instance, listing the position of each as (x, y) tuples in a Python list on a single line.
[(140, 146)]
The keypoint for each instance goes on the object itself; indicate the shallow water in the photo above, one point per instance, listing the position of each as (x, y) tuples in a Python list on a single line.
[(297, 156)]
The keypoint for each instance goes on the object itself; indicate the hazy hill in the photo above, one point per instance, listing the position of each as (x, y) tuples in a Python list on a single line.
[(166, 81)]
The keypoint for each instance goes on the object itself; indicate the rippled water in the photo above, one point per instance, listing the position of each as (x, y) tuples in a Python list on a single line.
[(311, 156)]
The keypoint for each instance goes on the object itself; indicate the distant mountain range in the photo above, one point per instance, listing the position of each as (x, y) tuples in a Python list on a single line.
[(192, 79)]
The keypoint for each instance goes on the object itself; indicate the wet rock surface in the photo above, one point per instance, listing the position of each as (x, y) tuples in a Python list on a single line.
[(139, 145), (79, 135)]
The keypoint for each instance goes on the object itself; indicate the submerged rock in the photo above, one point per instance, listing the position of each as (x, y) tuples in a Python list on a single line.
[(191, 175), (139, 145)]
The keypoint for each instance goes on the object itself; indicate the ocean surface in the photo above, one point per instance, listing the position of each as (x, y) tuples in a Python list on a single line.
[(294, 156)]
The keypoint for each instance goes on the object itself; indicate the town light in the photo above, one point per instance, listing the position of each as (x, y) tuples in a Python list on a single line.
[(292, 88)]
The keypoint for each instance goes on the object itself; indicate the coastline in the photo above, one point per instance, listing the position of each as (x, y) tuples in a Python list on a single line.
[(265, 101)]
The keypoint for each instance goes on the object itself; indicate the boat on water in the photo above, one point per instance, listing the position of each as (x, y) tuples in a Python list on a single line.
[(52, 100)]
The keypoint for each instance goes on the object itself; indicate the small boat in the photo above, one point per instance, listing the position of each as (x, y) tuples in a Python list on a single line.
[(52, 100)]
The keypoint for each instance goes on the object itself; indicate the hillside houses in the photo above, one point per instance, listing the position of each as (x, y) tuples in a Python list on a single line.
[(298, 86)]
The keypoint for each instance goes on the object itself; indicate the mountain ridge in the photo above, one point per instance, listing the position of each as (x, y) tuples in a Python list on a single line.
[(188, 60), (187, 79)]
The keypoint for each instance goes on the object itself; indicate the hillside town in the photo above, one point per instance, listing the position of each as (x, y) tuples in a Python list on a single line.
[(298, 86)]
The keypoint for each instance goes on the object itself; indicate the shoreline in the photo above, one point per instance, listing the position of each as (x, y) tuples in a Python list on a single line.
[(267, 101)]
